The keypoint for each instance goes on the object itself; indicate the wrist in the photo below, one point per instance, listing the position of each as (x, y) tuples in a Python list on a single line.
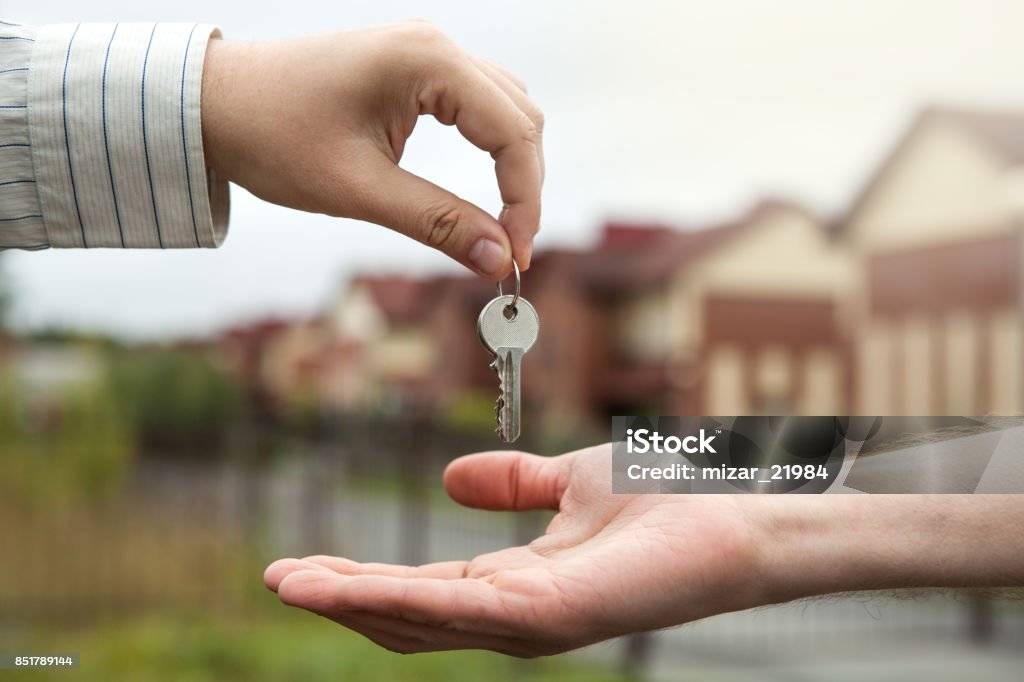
[(219, 78), (818, 545), (840, 543)]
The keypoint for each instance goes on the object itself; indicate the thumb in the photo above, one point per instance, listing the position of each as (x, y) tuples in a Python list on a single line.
[(417, 208), (508, 481)]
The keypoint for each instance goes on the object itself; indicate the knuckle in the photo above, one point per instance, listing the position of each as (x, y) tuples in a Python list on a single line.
[(424, 31), (441, 224), (531, 133), (536, 117), (538, 120), (528, 130), (418, 24), (424, 44)]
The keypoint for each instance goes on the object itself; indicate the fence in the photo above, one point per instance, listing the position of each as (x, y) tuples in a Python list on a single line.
[(199, 531)]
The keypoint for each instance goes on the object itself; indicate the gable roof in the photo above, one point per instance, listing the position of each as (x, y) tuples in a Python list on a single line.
[(1002, 132), (627, 258), (401, 298), (619, 265)]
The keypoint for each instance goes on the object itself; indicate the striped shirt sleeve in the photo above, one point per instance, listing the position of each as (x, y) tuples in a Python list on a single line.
[(21, 219), (115, 139)]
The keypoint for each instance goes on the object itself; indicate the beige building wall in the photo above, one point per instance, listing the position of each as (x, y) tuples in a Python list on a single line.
[(1007, 368), (773, 380), (646, 328), (403, 353), (874, 367), (915, 366), (916, 337), (942, 185), (961, 363), (284, 354), (782, 382), (355, 316), (725, 382), (342, 388), (822, 384), (786, 252), (389, 352)]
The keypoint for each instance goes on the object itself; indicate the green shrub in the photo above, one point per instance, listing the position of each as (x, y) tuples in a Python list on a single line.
[(173, 398)]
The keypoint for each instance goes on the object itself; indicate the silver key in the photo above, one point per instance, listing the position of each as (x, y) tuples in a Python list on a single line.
[(508, 334)]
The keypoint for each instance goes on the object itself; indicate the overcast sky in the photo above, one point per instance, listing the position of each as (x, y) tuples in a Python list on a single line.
[(680, 111)]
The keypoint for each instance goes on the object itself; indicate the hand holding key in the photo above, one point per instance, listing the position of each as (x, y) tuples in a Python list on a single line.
[(508, 327), (352, 101)]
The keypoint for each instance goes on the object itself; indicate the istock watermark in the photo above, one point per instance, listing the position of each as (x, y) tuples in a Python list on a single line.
[(645, 440), (812, 455)]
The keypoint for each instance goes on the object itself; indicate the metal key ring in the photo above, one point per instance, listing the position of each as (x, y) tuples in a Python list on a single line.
[(515, 296)]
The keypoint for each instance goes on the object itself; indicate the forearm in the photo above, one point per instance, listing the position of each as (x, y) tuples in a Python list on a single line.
[(821, 545)]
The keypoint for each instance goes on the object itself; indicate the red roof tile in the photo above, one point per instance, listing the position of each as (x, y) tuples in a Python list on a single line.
[(401, 298)]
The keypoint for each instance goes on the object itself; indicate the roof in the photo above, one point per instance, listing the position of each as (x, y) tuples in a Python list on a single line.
[(656, 253), (627, 257), (255, 331), (624, 235), (401, 298), (1001, 131)]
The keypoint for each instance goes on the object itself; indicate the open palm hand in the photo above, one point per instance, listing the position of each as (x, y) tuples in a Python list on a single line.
[(607, 565)]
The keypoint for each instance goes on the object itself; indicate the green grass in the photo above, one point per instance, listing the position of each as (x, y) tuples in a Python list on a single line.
[(273, 646)]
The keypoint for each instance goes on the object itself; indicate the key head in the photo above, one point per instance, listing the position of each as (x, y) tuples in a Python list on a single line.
[(500, 330)]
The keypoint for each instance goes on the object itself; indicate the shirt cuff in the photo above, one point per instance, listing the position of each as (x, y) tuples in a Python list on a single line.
[(21, 220), (116, 137)]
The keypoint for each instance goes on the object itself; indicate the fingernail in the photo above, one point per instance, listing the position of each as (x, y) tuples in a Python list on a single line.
[(487, 256)]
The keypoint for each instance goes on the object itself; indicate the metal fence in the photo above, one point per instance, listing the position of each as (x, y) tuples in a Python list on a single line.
[(199, 531)]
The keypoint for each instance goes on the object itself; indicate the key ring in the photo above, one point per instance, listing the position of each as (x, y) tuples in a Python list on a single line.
[(515, 296)]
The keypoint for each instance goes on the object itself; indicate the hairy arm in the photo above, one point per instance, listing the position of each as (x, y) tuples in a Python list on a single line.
[(837, 543)]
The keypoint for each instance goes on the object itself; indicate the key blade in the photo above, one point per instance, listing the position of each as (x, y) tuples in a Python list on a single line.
[(509, 396), (498, 365)]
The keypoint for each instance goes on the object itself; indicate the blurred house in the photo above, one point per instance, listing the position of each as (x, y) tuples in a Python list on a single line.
[(461, 365), (43, 375), (244, 351), (649, 319), (910, 304), (938, 235), (745, 317), (47, 371), (379, 326), (286, 361), (756, 315)]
